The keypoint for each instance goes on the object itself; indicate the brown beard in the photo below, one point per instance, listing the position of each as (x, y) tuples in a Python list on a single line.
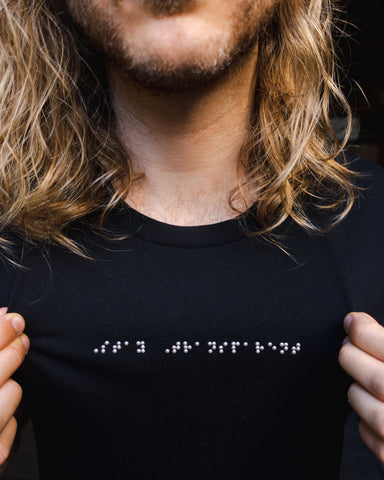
[(169, 7), (159, 76)]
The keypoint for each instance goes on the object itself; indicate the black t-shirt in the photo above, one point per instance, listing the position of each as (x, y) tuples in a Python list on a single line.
[(195, 352)]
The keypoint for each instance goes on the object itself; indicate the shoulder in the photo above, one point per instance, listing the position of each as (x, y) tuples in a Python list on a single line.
[(368, 210), (357, 242), (11, 247), (371, 176)]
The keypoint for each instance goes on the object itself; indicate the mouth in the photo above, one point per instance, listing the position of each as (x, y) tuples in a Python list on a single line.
[(169, 7)]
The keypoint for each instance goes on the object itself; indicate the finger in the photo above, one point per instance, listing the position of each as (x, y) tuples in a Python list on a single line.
[(373, 442), (366, 333), (7, 437), (368, 371), (12, 356), (10, 397), (368, 408), (11, 325)]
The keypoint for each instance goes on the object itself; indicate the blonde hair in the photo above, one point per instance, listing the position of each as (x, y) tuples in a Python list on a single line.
[(59, 156)]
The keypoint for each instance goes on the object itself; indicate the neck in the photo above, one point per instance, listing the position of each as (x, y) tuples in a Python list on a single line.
[(184, 148)]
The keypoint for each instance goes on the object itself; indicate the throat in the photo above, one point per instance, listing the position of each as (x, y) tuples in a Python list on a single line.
[(186, 210)]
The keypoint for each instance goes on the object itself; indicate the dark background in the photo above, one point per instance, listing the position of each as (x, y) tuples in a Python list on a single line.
[(363, 58)]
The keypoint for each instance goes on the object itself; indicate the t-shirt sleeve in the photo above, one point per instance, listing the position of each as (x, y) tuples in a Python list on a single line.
[(358, 242)]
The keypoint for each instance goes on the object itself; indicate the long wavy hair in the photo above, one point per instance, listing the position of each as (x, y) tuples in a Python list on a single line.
[(59, 155)]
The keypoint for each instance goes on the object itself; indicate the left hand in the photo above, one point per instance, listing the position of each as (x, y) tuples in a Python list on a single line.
[(362, 357)]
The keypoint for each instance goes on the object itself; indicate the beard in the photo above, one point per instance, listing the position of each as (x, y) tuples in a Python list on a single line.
[(208, 62), (169, 7)]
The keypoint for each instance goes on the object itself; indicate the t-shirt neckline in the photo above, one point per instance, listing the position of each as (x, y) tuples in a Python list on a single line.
[(156, 231)]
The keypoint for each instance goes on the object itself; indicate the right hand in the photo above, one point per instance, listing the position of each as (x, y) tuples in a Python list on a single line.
[(14, 345)]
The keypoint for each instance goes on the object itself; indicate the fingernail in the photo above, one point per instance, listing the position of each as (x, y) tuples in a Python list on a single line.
[(346, 340), (3, 311), (26, 342), (347, 322), (18, 324)]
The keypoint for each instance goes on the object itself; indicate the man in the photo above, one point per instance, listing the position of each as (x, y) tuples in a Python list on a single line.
[(197, 333)]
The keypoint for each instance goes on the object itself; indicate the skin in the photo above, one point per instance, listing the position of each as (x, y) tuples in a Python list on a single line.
[(14, 345), (181, 75), (181, 88)]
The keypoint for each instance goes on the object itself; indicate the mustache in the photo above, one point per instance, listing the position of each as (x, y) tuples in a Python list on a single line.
[(169, 7)]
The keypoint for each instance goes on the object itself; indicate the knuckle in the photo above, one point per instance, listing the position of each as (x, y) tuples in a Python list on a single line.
[(380, 451), (344, 354), (3, 421), (357, 332), (16, 354), (352, 391), (5, 450), (16, 387), (376, 421), (377, 384)]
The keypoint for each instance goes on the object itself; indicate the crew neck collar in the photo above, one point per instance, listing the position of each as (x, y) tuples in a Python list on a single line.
[(155, 231)]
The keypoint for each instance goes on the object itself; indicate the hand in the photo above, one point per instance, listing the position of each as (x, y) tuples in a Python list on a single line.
[(13, 347), (362, 357)]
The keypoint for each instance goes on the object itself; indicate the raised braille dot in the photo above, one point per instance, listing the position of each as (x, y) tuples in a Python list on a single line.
[(114, 351), (142, 342), (281, 344), (225, 344), (282, 352), (178, 343), (186, 350), (95, 350), (197, 344), (209, 344), (245, 344), (233, 351), (261, 348), (257, 351), (126, 343), (138, 350), (298, 344), (189, 347), (286, 348), (210, 351), (270, 344), (274, 347), (138, 343), (237, 344), (167, 350), (221, 351), (102, 351), (178, 347), (118, 343), (298, 349), (174, 351), (106, 342), (293, 352)]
